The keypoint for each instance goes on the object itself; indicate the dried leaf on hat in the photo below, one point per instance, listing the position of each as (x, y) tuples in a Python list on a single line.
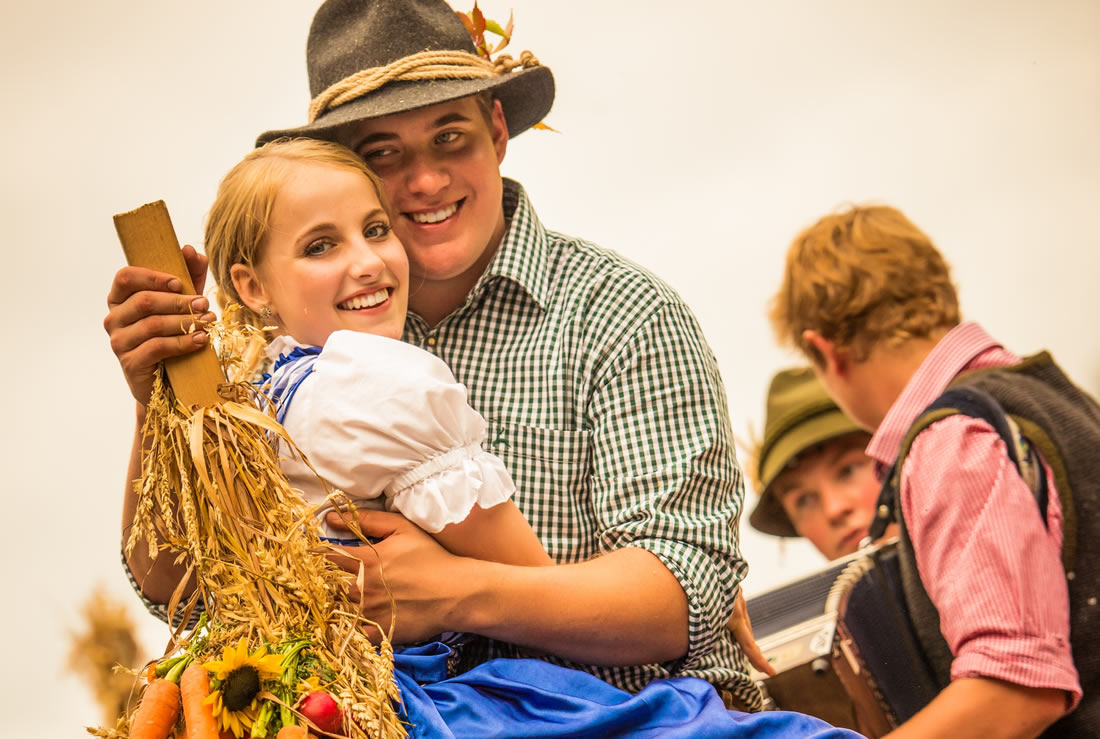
[(477, 24)]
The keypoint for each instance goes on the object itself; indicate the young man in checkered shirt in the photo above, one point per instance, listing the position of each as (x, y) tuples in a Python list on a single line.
[(602, 396)]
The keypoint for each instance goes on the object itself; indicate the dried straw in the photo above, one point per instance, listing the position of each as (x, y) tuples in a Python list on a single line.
[(212, 492)]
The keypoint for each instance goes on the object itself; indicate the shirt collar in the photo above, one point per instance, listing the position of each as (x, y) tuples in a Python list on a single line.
[(951, 355), (523, 253), (282, 344)]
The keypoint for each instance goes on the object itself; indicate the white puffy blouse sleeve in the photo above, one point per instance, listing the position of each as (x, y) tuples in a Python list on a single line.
[(381, 417)]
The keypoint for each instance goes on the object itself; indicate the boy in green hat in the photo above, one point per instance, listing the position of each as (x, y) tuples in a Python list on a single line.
[(563, 347), (989, 467), (814, 478)]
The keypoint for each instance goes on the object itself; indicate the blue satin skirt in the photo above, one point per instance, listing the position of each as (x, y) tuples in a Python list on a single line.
[(527, 697)]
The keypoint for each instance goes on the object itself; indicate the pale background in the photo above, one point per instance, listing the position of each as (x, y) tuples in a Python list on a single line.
[(696, 138)]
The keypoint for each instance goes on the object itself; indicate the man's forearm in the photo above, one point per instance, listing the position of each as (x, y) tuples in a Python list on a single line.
[(984, 708), (621, 608)]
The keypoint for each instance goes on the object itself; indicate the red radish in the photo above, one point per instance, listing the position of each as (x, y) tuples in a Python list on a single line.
[(321, 708)]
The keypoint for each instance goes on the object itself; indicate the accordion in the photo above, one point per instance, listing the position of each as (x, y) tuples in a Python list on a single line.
[(842, 646)]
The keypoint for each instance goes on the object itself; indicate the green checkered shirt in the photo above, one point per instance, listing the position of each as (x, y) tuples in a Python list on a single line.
[(606, 405)]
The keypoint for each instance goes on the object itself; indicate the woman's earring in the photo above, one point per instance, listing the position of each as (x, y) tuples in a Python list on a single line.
[(265, 312)]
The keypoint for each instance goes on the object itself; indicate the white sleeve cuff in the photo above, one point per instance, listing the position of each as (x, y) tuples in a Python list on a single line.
[(445, 489)]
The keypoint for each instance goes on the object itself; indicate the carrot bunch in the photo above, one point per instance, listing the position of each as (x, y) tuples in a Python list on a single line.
[(185, 684), (158, 713), (197, 716)]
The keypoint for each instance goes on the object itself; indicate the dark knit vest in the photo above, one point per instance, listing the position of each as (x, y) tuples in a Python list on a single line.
[(1035, 400)]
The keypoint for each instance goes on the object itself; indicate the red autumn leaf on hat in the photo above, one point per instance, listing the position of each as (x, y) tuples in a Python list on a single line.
[(479, 21), (475, 26), (469, 23), (466, 21)]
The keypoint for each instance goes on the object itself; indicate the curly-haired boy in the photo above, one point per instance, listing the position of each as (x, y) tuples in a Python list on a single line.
[(986, 467)]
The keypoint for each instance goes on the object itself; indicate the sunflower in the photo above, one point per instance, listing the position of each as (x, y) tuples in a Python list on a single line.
[(239, 677)]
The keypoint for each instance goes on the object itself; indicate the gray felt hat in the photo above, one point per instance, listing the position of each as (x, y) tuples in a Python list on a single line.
[(350, 36)]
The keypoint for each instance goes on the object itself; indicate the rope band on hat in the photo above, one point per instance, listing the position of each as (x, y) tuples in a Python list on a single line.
[(426, 65)]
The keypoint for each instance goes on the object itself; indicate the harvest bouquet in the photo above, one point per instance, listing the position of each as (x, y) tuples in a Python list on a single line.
[(279, 649)]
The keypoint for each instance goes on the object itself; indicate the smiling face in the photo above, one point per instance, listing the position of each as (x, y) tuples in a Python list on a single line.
[(440, 167), (330, 259), (829, 494)]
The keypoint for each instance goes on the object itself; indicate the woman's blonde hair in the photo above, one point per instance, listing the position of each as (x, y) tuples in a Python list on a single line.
[(240, 217), (863, 276)]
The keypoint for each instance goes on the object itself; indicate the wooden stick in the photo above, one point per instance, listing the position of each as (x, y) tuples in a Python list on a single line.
[(149, 241)]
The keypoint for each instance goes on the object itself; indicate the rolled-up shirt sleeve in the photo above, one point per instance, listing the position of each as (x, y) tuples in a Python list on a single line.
[(160, 610), (988, 563), (665, 477)]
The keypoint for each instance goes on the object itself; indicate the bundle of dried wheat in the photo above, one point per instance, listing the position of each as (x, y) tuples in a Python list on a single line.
[(279, 643)]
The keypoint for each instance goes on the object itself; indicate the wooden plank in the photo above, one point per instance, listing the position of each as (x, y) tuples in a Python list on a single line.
[(149, 240)]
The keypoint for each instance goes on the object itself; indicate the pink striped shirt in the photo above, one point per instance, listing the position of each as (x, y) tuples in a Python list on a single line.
[(990, 567)]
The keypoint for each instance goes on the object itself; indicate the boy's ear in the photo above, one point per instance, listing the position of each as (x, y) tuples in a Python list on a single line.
[(249, 287), (831, 357), (499, 131)]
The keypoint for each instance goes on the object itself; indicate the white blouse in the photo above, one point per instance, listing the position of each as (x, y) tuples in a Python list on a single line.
[(387, 424)]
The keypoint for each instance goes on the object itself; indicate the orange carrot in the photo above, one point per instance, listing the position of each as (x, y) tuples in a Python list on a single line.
[(198, 719), (159, 709)]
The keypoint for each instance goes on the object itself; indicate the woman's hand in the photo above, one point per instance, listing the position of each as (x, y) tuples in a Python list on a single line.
[(149, 319), (407, 573)]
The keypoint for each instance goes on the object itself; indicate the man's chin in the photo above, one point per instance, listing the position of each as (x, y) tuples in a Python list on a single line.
[(440, 267)]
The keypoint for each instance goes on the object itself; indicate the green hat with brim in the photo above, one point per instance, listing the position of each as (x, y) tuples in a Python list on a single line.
[(800, 415), (375, 39)]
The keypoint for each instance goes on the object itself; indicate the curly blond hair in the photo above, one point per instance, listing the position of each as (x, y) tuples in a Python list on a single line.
[(860, 277)]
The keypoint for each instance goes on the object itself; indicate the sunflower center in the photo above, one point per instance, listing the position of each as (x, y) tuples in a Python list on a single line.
[(240, 687)]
